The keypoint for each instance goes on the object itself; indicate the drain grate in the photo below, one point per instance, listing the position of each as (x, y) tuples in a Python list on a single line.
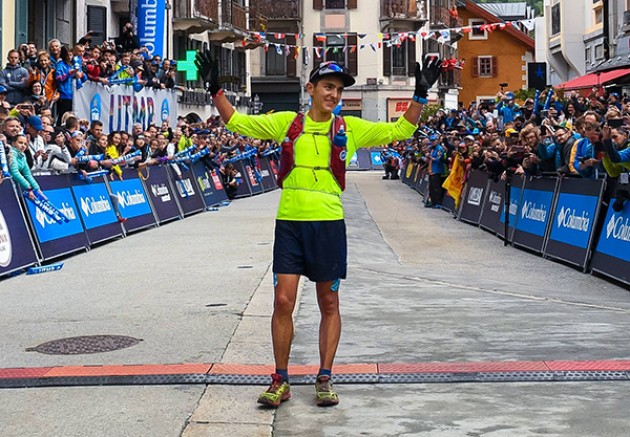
[(88, 344)]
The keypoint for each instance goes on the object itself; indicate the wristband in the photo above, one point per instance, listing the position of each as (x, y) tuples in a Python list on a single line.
[(420, 100), (218, 93)]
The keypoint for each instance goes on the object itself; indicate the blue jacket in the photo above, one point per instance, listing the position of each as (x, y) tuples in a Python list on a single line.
[(437, 164), (64, 79), (14, 77)]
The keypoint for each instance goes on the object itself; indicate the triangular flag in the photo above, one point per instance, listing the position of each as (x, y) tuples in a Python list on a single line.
[(318, 52), (373, 47), (278, 49), (297, 52), (362, 35), (529, 24), (353, 49)]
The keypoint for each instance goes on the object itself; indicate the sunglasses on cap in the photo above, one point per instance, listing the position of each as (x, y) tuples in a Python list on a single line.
[(332, 67)]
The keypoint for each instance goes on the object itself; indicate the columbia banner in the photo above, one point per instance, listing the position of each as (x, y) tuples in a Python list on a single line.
[(119, 106), (612, 255), (133, 202), (162, 195), (16, 247), (57, 238), (534, 212), (574, 220), (95, 209)]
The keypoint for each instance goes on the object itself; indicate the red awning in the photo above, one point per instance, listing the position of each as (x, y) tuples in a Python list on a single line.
[(591, 80)]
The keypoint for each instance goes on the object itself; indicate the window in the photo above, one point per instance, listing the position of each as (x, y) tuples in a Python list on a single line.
[(484, 66), (477, 33), (599, 14), (335, 4), (275, 62), (336, 52), (599, 52), (336, 47), (587, 55), (555, 19), (399, 59)]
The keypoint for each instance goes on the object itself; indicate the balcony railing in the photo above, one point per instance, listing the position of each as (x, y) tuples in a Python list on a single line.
[(277, 9), (233, 14), (404, 9), (190, 9), (450, 79)]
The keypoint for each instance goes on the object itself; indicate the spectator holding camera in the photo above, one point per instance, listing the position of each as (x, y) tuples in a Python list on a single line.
[(127, 42), (14, 78)]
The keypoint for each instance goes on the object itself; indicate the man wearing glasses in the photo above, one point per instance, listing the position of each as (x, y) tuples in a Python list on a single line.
[(310, 234)]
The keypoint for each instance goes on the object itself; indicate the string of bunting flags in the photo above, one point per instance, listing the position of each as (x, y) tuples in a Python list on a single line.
[(388, 39)]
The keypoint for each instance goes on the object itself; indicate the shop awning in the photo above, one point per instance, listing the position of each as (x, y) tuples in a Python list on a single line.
[(591, 80)]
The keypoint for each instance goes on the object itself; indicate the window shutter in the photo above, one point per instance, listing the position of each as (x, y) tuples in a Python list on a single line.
[(495, 71), (96, 21), (475, 66), (352, 4), (318, 5), (411, 58), (21, 23), (353, 56), (291, 61), (317, 59), (387, 60)]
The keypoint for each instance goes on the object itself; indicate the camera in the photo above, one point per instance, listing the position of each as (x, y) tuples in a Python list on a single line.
[(503, 84), (615, 122)]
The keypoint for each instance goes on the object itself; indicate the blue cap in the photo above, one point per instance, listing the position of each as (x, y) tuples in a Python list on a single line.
[(475, 131), (509, 95), (433, 137), (35, 122), (3, 89)]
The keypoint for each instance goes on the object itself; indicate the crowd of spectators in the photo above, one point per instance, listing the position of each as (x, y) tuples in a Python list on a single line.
[(580, 136), (41, 134)]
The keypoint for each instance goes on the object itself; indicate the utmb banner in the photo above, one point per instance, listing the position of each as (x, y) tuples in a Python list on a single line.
[(119, 106)]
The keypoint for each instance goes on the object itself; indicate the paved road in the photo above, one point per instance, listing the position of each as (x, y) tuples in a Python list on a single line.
[(422, 287)]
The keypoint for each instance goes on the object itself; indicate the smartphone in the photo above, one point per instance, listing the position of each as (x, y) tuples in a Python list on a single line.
[(615, 122), (543, 130)]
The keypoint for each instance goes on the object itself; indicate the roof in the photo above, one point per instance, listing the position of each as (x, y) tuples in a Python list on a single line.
[(480, 12), (513, 11), (594, 79)]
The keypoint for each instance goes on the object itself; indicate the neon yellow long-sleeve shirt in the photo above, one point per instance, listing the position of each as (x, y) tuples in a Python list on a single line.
[(308, 194)]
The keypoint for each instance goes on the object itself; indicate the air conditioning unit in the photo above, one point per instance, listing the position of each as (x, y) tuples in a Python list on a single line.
[(370, 81)]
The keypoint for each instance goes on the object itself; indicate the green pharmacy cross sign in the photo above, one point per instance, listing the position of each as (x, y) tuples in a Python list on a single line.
[(188, 65)]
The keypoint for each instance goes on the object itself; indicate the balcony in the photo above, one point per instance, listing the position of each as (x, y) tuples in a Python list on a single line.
[(403, 15), (233, 25), (443, 17), (450, 79), (279, 15), (195, 16)]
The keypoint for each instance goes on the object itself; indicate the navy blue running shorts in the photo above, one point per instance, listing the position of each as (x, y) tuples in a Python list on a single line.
[(317, 250)]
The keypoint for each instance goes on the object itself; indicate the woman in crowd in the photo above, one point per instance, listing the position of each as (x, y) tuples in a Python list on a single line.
[(37, 98)]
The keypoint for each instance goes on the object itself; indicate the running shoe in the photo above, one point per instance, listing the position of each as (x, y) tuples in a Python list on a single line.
[(278, 392), (326, 396)]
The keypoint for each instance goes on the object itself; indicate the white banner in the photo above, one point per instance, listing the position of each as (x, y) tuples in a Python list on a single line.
[(119, 107)]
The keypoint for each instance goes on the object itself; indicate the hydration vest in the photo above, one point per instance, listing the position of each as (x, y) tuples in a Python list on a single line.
[(337, 163)]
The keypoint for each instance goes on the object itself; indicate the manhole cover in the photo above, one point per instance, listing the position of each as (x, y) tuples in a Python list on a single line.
[(88, 344)]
